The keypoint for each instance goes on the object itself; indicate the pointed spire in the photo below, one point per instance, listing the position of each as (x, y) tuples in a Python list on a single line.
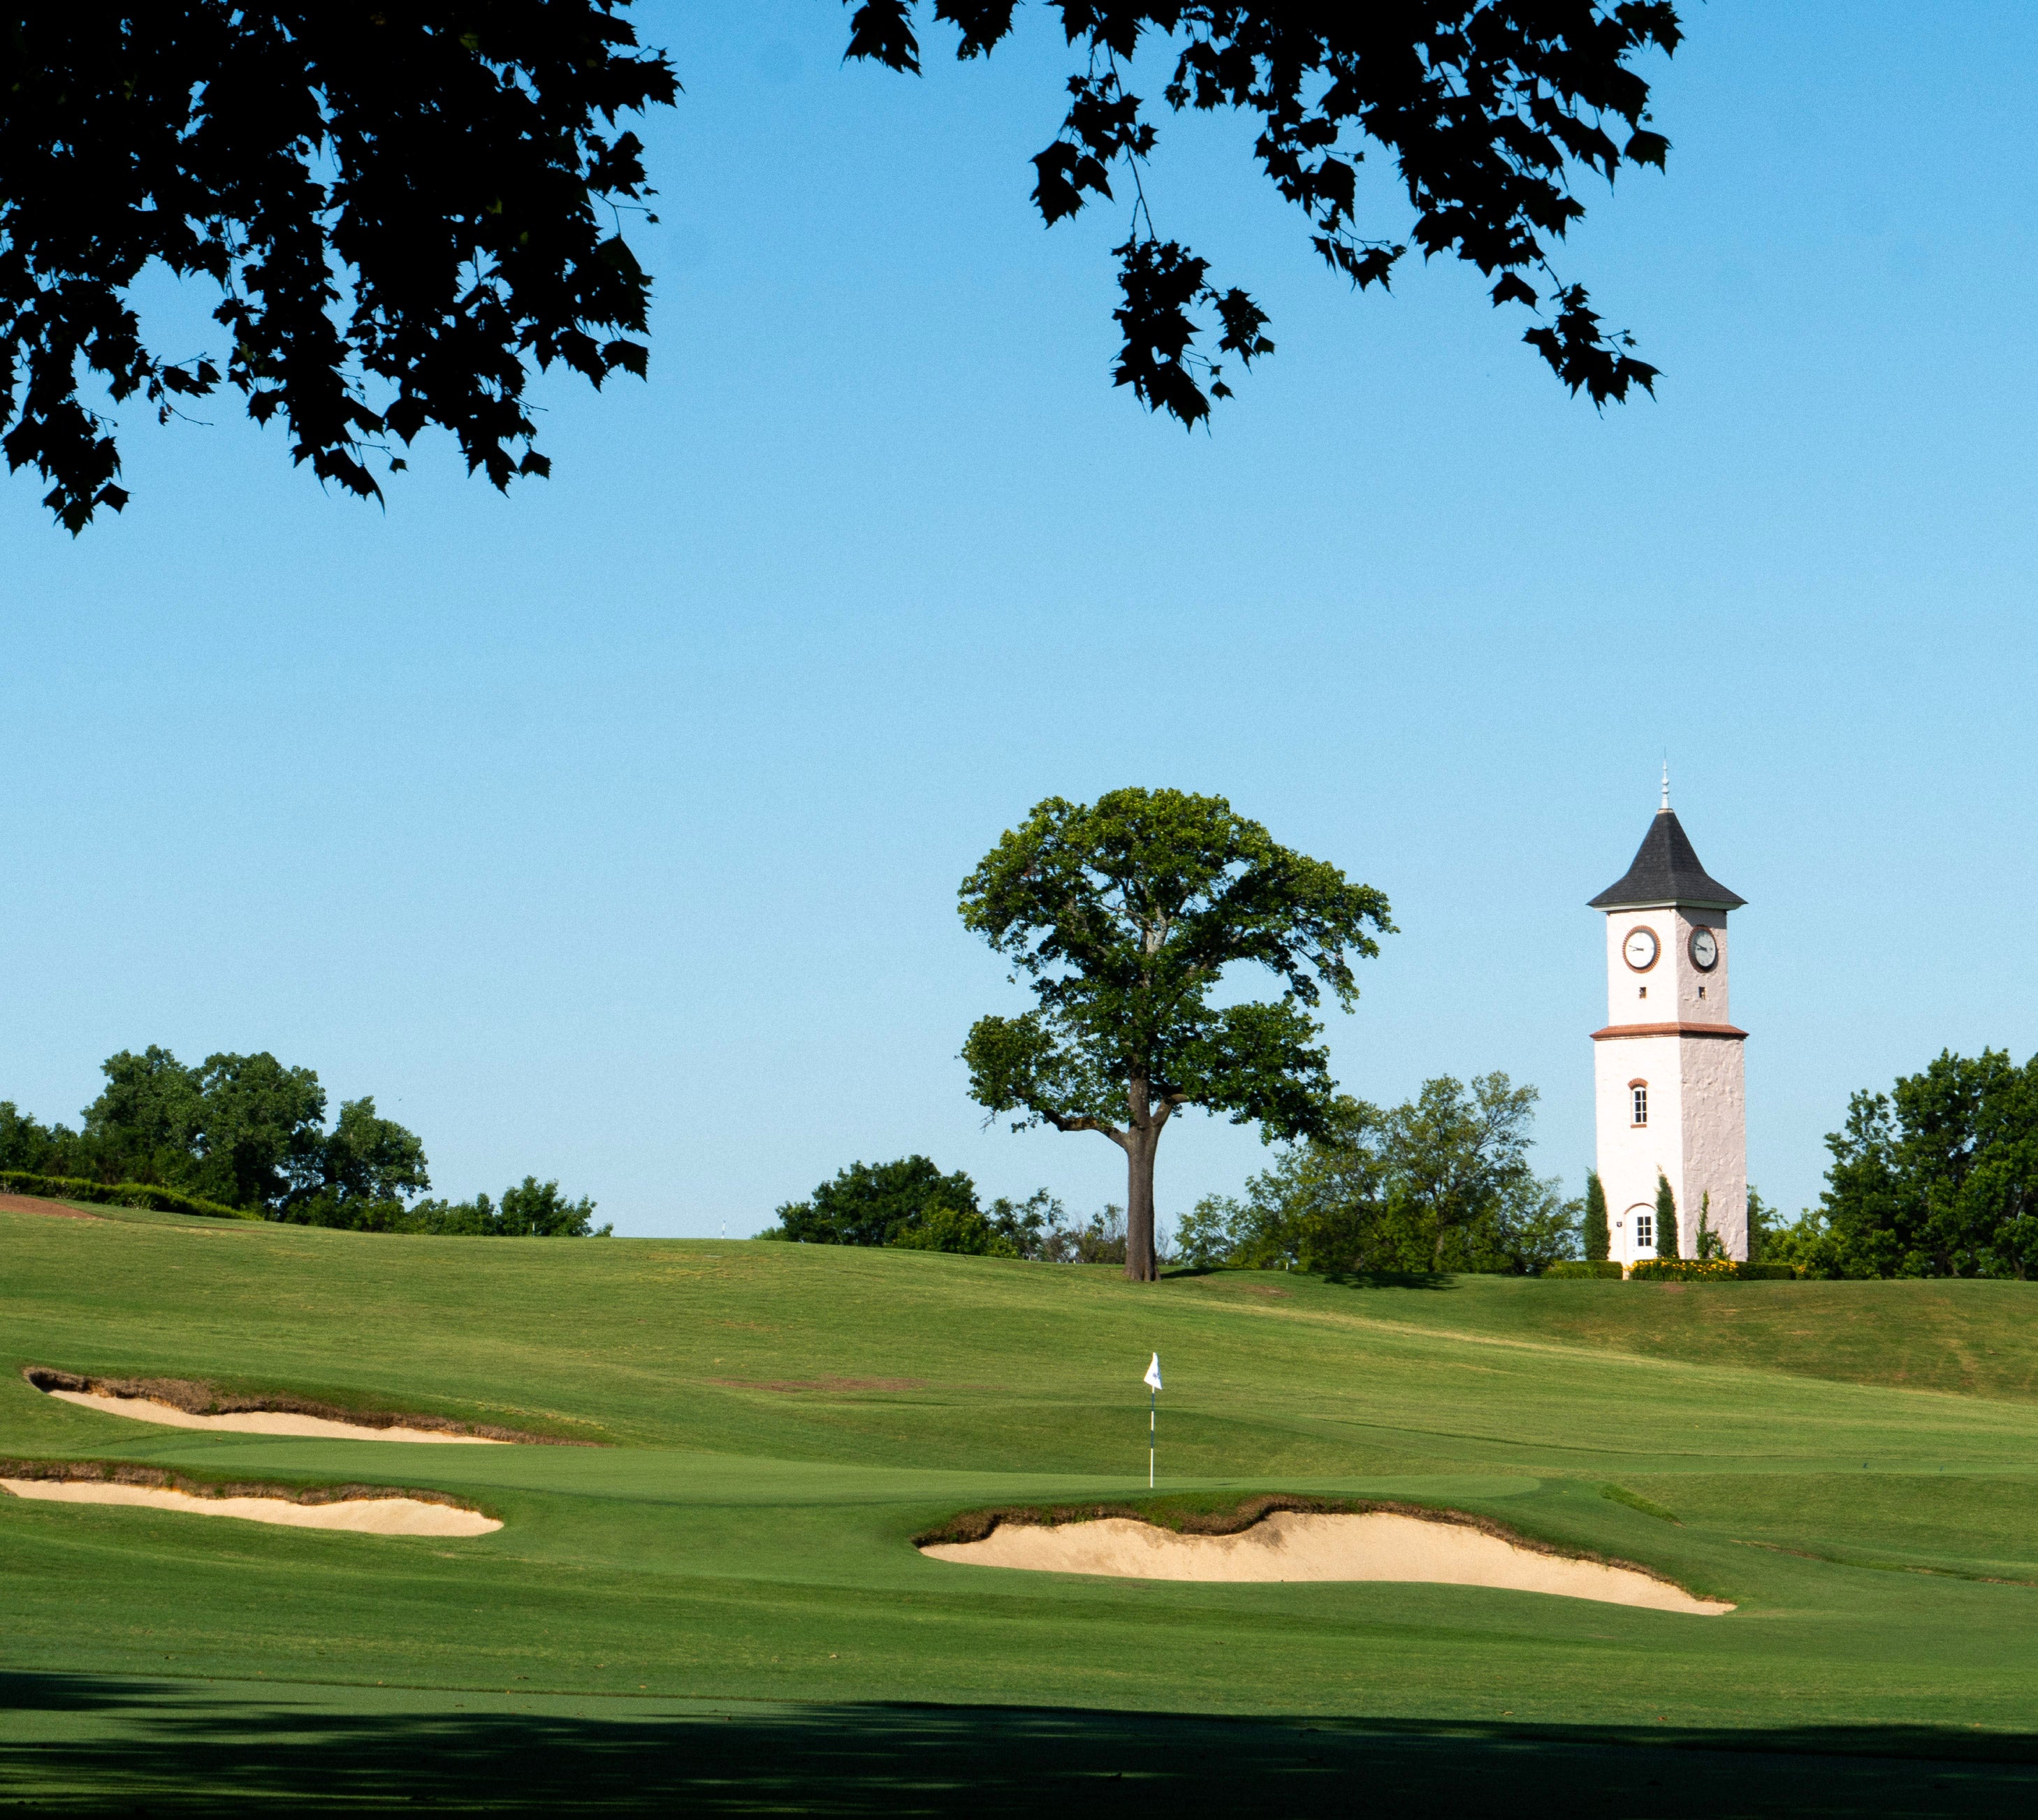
[(1666, 870), (1666, 780)]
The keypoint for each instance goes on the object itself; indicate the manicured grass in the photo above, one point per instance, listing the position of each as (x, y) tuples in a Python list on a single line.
[(1926, 1335), (780, 1418)]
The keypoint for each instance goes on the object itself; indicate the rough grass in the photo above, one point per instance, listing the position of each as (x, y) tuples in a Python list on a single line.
[(1634, 1501), (1971, 1338)]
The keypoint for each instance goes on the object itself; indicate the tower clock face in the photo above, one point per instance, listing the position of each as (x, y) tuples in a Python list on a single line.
[(1640, 949), (1705, 949)]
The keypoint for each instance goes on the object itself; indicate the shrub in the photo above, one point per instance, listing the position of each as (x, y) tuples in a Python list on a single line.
[(964, 1230), (119, 1194), (1600, 1267), (1707, 1270), (1033, 1227), (1710, 1243), (534, 1209), (873, 1203), (1762, 1221), (1598, 1241), (1099, 1240), (1683, 1270), (1667, 1235)]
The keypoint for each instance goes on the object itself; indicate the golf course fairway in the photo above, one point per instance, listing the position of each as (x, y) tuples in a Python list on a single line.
[(717, 1605)]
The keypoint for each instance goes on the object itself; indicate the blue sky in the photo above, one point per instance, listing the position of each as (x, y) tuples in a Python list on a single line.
[(611, 831)]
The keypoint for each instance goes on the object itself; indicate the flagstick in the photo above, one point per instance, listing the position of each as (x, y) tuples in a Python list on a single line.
[(1152, 1403)]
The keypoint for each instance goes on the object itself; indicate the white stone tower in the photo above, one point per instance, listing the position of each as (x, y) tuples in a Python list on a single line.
[(1667, 1081)]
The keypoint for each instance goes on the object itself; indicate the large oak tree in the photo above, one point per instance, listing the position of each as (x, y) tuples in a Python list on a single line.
[(1127, 918), (406, 208)]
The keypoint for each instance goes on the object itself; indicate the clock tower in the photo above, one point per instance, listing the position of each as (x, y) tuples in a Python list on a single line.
[(1667, 1083)]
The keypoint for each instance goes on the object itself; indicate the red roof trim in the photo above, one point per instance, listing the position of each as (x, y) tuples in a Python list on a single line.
[(1725, 1030)]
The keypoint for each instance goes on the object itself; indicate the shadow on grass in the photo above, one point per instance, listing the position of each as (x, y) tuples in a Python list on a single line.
[(1390, 1279), (95, 1744), (1339, 1278)]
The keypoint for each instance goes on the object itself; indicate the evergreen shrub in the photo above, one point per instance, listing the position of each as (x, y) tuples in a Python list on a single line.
[(1667, 1234), (1584, 1267), (118, 1194), (1598, 1242)]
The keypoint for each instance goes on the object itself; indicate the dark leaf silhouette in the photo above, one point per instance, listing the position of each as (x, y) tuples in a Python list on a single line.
[(405, 210), (1485, 106)]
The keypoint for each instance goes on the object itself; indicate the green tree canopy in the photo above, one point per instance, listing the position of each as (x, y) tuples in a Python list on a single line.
[(1936, 1177), (1124, 919), (535, 1209), (370, 1157), (532, 1209), (1442, 1182), (148, 1122), (27, 1143), (957, 1230), (405, 210), (1763, 1222), (249, 1132), (876, 1204), (242, 1130)]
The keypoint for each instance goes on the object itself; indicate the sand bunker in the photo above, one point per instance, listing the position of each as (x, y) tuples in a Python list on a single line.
[(369, 1516), (1305, 1546), (260, 1421), (49, 1209)]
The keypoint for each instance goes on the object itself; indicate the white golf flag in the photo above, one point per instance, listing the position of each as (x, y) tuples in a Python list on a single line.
[(1153, 1372)]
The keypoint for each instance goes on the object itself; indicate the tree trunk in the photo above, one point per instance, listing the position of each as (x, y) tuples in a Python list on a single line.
[(1139, 1148)]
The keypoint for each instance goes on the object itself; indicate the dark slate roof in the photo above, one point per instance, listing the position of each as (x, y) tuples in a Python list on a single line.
[(1666, 871)]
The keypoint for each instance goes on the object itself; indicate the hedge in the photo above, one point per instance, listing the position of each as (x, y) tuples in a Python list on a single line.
[(118, 1194), (1706, 1270), (1573, 1267)]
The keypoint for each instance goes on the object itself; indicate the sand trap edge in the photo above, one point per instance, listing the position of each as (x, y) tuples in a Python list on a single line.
[(272, 1422), (967, 1527), (195, 1397), (111, 1473)]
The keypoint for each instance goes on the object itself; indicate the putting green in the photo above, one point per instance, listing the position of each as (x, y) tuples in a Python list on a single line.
[(1855, 1466)]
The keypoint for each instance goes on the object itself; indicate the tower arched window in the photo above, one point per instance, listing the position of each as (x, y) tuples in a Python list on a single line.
[(1638, 1096)]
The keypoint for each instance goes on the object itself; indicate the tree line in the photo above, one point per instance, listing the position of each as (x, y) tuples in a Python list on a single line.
[(248, 1132), (910, 1204), (1938, 1177), (1441, 1183)]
